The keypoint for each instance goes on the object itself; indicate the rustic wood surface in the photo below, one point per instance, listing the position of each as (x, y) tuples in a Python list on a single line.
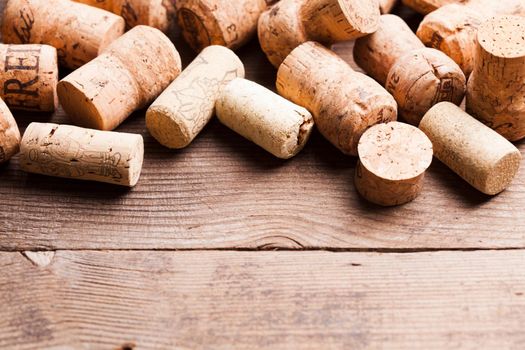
[(95, 266)]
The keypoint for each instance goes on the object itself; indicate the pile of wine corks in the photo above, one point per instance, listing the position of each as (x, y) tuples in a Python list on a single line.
[(394, 112)]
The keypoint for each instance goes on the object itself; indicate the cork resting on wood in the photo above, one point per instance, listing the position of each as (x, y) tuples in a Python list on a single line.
[(265, 118), (84, 154), (9, 134), (475, 152), (496, 88), (290, 23), (79, 32), (187, 105), (416, 76), (154, 13), (29, 77), (219, 22), (344, 103), (393, 158), (128, 76)]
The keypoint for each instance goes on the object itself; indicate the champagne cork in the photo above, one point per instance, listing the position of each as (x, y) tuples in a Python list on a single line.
[(29, 77), (344, 103), (154, 13), (496, 93), (188, 104), (128, 76), (84, 154), (79, 32), (219, 22), (9, 134), (416, 76), (393, 158), (290, 23), (387, 5), (265, 118), (478, 154)]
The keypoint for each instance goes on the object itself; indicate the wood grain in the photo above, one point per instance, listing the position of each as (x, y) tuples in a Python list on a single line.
[(264, 300)]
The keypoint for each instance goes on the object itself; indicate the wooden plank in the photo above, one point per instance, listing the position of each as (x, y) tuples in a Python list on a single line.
[(264, 300)]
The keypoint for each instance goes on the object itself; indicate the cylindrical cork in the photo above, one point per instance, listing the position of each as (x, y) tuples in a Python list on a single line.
[(128, 76), (377, 53), (452, 29), (427, 6), (393, 158), (265, 118), (187, 105), (154, 13), (496, 93), (79, 32), (29, 77), (475, 152), (85, 154), (423, 78), (9, 134), (219, 22), (344, 103), (385, 6)]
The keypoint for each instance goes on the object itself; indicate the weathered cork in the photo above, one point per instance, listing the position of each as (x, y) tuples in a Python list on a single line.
[(496, 93), (29, 77), (9, 134), (128, 76), (159, 14), (85, 154), (265, 118), (290, 23), (475, 152), (79, 32), (344, 103), (187, 105), (417, 76), (219, 22), (393, 158), (387, 5)]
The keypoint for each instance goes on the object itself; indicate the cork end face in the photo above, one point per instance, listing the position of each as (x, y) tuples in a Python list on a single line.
[(79, 107), (363, 15), (199, 26), (165, 129), (503, 36), (136, 161), (502, 174), (304, 130)]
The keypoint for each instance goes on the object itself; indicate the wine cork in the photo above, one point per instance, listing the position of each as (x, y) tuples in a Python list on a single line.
[(344, 103), (478, 154), (488, 7), (154, 13), (387, 5), (417, 76), (84, 154), (393, 158), (265, 118), (496, 93), (427, 6), (79, 32), (128, 76), (290, 23), (219, 22), (188, 104), (29, 77), (9, 134)]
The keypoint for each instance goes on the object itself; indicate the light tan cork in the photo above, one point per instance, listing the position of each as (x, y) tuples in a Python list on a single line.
[(9, 134), (290, 23), (84, 154), (265, 118), (128, 76), (159, 14), (219, 22), (393, 158), (29, 77), (187, 105), (475, 152), (344, 103), (79, 32), (418, 77), (496, 93), (387, 5), (427, 6), (488, 7)]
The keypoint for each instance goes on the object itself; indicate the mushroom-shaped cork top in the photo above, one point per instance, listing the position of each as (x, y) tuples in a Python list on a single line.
[(395, 151), (503, 36)]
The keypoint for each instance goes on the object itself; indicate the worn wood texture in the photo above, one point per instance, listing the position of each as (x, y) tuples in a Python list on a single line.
[(263, 300)]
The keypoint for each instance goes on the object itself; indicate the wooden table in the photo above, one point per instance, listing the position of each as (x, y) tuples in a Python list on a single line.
[(223, 246)]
